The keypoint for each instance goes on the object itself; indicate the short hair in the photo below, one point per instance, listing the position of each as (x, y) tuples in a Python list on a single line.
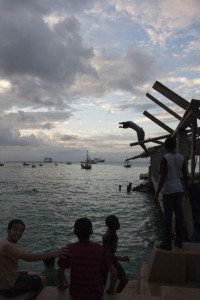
[(110, 220), (170, 143), (15, 221), (49, 262), (83, 228)]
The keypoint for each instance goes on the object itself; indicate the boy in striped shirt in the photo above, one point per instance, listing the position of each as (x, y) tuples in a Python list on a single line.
[(87, 262)]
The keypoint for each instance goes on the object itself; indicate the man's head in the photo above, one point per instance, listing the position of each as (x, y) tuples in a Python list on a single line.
[(170, 143), (15, 230), (83, 228)]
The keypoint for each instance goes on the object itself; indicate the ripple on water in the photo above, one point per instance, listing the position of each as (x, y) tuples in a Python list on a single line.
[(65, 194)]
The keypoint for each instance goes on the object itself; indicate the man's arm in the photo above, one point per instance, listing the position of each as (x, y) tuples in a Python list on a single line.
[(162, 178)]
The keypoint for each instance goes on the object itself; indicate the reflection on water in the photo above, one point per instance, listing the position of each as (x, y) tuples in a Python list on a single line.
[(67, 192)]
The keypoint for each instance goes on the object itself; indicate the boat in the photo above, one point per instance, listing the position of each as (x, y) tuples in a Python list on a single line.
[(48, 160), (127, 164), (33, 165), (68, 163), (1, 164), (40, 165), (97, 160), (56, 164), (25, 163), (87, 163)]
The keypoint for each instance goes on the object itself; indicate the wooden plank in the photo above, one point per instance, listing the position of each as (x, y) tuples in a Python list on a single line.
[(158, 122), (190, 115), (151, 140), (159, 87), (164, 106)]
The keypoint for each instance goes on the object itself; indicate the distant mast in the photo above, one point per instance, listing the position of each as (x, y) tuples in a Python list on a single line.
[(48, 159)]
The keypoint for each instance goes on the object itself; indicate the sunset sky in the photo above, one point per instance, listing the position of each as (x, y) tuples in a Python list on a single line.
[(71, 70)]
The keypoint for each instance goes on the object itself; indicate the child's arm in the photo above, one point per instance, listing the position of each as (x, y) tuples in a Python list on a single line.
[(62, 284)]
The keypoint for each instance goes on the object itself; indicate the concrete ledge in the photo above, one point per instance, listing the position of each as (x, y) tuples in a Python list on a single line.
[(26, 296), (166, 266), (179, 293)]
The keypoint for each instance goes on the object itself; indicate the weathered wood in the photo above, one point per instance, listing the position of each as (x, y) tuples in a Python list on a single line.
[(159, 87), (151, 140), (158, 122), (164, 106)]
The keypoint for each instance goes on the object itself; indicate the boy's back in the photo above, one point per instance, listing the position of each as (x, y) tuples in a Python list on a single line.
[(87, 262)]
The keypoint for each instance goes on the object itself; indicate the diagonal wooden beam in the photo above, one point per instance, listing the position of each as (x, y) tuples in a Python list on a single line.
[(159, 87), (158, 122), (164, 106)]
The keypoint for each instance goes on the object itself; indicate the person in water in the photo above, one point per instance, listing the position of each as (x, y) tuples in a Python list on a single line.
[(110, 243), (87, 261), (139, 130), (12, 281)]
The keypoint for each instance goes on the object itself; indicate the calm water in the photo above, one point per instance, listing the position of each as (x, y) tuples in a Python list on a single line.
[(65, 193)]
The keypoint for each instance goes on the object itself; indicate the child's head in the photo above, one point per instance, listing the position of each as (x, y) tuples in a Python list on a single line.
[(83, 228), (49, 262), (112, 222), (15, 230)]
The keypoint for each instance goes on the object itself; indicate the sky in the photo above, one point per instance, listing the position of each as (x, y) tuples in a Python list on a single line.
[(71, 70)]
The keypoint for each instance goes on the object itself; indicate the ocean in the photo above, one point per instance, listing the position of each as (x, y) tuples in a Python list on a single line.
[(67, 192)]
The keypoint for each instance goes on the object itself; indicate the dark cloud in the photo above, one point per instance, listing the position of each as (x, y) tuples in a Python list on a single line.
[(12, 137)]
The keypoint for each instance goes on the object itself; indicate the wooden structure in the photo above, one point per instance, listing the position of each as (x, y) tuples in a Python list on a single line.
[(187, 134)]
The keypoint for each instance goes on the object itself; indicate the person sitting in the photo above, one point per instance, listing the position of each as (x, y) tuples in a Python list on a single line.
[(12, 281), (50, 272)]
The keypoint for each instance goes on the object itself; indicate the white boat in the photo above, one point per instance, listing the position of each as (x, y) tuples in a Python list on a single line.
[(87, 163), (97, 160), (25, 163), (48, 160)]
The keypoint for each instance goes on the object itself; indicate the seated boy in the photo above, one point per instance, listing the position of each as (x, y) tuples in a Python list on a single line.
[(50, 272), (12, 282), (87, 262)]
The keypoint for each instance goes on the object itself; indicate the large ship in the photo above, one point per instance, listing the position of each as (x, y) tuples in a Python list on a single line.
[(48, 160)]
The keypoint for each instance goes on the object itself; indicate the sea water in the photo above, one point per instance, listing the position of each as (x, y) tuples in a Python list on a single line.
[(64, 193)]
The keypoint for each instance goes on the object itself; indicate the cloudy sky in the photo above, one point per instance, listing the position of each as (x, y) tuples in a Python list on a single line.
[(71, 70)]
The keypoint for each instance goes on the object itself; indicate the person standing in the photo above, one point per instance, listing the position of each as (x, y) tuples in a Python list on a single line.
[(87, 261), (171, 166), (110, 243)]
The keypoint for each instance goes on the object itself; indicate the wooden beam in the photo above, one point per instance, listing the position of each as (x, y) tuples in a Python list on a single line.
[(158, 122), (159, 87), (151, 140), (164, 106), (190, 115)]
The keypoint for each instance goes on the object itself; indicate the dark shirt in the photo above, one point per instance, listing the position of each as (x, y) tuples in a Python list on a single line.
[(110, 241), (87, 262)]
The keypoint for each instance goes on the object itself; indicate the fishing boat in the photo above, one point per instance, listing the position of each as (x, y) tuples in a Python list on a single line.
[(87, 163), (127, 164), (25, 163), (48, 160)]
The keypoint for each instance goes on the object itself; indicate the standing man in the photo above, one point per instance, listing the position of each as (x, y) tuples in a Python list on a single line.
[(171, 166), (138, 129)]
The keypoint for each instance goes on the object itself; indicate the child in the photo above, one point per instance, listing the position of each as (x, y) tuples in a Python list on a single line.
[(110, 242), (87, 261), (13, 282), (50, 272)]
